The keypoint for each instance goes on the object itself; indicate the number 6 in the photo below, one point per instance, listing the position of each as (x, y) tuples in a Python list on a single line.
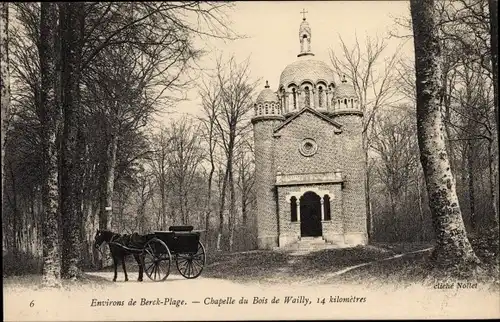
[(32, 303)]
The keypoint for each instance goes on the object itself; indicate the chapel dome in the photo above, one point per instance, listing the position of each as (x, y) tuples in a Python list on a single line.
[(345, 90), (306, 70), (266, 95)]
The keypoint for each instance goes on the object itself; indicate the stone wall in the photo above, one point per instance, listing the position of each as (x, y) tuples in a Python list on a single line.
[(265, 176), (352, 164), (335, 151), (307, 125)]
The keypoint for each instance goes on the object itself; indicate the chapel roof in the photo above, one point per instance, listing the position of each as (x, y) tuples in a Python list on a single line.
[(306, 69), (337, 126)]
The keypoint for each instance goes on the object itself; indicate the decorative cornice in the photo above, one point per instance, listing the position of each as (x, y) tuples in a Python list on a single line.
[(271, 117), (309, 178), (346, 112)]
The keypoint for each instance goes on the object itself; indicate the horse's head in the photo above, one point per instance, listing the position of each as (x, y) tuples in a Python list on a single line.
[(102, 236)]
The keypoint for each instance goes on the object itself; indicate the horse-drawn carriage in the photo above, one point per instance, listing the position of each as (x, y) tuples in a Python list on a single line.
[(155, 252)]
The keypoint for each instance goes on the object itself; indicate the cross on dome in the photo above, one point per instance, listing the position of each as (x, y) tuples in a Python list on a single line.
[(303, 12)]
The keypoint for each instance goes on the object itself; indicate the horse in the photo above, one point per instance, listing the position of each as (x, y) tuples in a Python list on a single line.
[(118, 253)]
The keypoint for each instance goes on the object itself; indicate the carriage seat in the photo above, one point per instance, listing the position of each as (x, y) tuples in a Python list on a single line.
[(180, 228)]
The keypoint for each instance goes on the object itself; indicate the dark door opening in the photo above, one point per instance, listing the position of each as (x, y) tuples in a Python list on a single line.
[(310, 215)]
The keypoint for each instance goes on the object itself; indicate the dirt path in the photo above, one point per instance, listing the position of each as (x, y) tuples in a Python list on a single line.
[(350, 268)]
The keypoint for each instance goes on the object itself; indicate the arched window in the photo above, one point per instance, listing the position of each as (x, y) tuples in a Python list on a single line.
[(307, 99), (283, 98), (293, 209), (320, 96), (294, 93), (345, 101), (326, 204)]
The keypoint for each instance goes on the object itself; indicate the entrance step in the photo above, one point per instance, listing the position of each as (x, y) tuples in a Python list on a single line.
[(308, 244), (311, 240)]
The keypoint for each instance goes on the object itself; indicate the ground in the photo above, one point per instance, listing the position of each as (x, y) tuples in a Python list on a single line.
[(375, 273)]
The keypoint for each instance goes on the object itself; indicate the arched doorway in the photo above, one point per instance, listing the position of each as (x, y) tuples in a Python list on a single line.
[(310, 215)]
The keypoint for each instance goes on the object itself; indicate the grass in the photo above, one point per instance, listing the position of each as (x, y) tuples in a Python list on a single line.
[(277, 267)]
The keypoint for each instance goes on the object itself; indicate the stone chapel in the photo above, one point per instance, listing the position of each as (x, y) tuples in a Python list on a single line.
[(309, 164)]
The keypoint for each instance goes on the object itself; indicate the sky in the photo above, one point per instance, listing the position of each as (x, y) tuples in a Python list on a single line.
[(272, 41)]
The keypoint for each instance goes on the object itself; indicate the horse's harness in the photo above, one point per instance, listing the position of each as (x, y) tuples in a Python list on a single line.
[(110, 241), (113, 242)]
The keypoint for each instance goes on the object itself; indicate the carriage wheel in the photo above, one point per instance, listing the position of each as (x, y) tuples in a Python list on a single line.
[(156, 260), (191, 265)]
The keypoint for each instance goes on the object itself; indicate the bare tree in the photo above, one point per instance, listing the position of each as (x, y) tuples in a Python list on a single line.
[(394, 140), (210, 94), (184, 161), (160, 167), (374, 78), (452, 247), (236, 91), (493, 10)]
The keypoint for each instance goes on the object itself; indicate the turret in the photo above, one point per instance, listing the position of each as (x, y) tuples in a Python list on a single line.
[(268, 115), (345, 97), (305, 38), (347, 112)]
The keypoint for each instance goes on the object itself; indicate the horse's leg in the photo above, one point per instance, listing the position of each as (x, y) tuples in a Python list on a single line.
[(124, 269), (115, 265), (139, 260)]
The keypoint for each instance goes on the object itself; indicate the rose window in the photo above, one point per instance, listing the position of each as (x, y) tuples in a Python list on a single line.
[(308, 147)]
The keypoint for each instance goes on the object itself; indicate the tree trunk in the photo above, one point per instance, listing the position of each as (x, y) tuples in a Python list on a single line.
[(470, 184), (453, 247), (71, 25), (420, 210), (107, 182), (163, 199), (106, 185), (221, 210), (4, 82), (232, 207), (49, 121), (208, 211), (493, 9), (493, 178)]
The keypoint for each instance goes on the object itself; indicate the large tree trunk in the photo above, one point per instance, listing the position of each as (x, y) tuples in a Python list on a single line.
[(493, 8), (4, 83), (106, 185), (452, 247), (49, 121), (107, 182), (71, 26)]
